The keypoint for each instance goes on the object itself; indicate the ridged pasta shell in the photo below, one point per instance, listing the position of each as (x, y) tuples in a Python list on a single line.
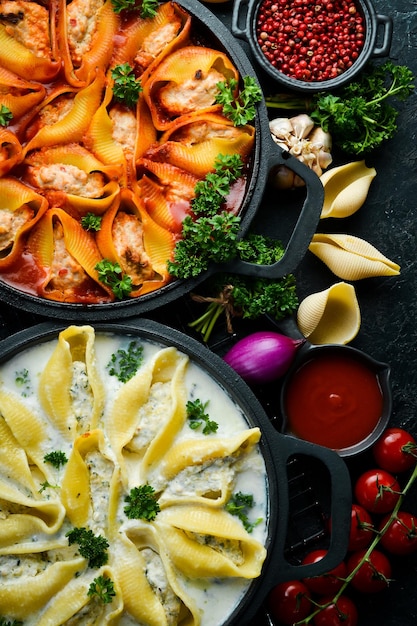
[(194, 142), (78, 256), (71, 127), (81, 71), (166, 191), (351, 258), (20, 209), (146, 42), (15, 57), (19, 95), (130, 237), (331, 315), (11, 151), (346, 188), (188, 70)]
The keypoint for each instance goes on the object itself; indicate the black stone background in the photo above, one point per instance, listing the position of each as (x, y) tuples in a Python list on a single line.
[(388, 305)]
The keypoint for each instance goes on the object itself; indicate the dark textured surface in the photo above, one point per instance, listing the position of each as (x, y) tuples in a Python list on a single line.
[(388, 305)]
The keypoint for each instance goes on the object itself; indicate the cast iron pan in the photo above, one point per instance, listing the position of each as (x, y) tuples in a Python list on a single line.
[(276, 449), (267, 155)]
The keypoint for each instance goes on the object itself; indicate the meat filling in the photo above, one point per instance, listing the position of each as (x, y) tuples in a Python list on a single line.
[(28, 23), (127, 234), (196, 93), (11, 222)]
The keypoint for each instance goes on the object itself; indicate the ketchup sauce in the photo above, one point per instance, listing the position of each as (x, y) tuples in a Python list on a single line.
[(334, 400)]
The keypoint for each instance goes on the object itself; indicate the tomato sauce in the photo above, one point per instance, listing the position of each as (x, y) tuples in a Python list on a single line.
[(333, 400)]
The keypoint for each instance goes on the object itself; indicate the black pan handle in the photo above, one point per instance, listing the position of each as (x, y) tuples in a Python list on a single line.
[(283, 448), (305, 226)]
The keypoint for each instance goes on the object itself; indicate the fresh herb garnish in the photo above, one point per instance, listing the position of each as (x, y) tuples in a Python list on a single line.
[(245, 296), (212, 191), (7, 622), (147, 8), (91, 547), (197, 416), (111, 274), (142, 503), (125, 363), (240, 505), (6, 115), (126, 86), (360, 117), (240, 108), (22, 379), (46, 485), (56, 458), (91, 221), (102, 588)]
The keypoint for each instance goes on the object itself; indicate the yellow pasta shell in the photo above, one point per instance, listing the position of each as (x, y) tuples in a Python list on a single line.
[(351, 258), (346, 188), (330, 316)]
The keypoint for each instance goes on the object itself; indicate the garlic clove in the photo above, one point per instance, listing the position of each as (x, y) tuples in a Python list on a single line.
[(282, 177), (318, 137), (351, 258), (346, 188), (280, 127), (302, 125), (330, 316)]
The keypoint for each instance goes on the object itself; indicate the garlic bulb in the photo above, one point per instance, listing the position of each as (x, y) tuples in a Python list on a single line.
[(307, 142)]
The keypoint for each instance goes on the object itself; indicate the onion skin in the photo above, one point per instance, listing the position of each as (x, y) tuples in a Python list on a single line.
[(263, 356)]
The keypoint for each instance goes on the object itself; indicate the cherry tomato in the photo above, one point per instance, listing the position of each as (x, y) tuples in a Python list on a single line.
[(341, 613), (377, 491), (395, 451), (289, 602), (361, 528), (328, 583), (401, 535), (374, 573)]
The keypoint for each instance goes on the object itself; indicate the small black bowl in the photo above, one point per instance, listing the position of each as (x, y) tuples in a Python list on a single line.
[(379, 374), (378, 28)]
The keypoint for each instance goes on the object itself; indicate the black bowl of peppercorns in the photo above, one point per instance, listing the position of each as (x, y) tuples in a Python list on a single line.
[(312, 45)]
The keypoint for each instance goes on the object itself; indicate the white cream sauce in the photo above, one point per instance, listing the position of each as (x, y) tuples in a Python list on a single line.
[(217, 598)]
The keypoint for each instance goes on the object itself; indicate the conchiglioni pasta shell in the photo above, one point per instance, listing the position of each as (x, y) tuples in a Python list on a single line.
[(167, 191), (15, 57), (101, 48), (19, 95), (330, 316), (14, 196), (11, 151), (346, 188), (158, 242), (351, 258), (78, 242), (138, 30), (71, 127), (179, 68), (194, 142)]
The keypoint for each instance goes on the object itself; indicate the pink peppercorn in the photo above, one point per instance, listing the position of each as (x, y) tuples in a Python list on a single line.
[(310, 40)]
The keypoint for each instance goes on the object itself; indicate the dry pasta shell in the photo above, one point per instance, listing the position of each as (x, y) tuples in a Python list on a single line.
[(330, 316), (346, 188), (351, 258)]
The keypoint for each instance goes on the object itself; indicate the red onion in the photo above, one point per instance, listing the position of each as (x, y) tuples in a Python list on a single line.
[(262, 356)]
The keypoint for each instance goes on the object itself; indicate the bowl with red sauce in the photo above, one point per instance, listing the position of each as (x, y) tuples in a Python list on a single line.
[(337, 396), (312, 45)]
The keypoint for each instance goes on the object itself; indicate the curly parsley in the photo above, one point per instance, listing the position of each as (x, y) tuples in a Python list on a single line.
[(146, 8), (239, 106), (56, 458), (142, 503), (102, 588), (111, 274), (125, 363), (127, 87), (6, 115), (197, 416), (240, 505), (91, 221), (91, 547)]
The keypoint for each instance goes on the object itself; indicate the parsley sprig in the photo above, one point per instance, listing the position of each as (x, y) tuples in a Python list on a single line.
[(56, 458), (240, 505), (91, 221), (91, 547), (146, 8), (127, 87), (142, 503), (361, 116), (196, 415), (212, 235), (240, 108), (124, 364), (111, 274), (102, 588), (6, 115)]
